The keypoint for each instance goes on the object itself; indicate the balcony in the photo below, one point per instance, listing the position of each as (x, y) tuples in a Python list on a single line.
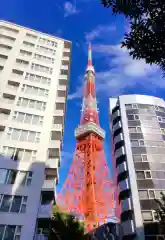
[(7, 101), (61, 99), (58, 112), (49, 185), (8, 33), (2, 61), (57, 127), (62, 87), (45, 211), (6, 41), (65, 67), (11, 89), (66, 49), (62, 76), (52, 163), (65, 58)]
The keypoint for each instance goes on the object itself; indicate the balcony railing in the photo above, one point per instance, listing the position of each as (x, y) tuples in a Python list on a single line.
[(45, 210), (57, 127), (49, 185)]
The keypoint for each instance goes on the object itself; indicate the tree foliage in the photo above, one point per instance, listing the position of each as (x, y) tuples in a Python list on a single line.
[(146, 39), (65, 227), (161, 209)]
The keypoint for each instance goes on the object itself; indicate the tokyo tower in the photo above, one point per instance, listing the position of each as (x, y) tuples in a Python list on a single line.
[(89, 191)]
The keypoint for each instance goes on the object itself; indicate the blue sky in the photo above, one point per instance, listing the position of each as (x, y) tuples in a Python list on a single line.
[(116, 73)]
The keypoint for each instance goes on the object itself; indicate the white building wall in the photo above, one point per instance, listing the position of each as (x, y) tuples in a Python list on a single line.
[(37, 166)]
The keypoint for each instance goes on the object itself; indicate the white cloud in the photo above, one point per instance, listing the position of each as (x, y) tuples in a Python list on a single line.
[(123, 73), (69, 9), (99, 31)]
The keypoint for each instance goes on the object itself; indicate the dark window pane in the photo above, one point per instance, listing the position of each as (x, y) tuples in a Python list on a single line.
[(6, 202), (2, 228), (130, 117), (140, 175), (16, 204), (9, 233)]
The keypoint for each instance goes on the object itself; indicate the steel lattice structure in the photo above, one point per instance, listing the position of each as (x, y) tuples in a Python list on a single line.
[(89, 191)]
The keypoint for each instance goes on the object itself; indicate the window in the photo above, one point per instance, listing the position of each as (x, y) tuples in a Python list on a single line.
[(3, 56), (137, 158), (12, 176), (28, 118), (14, 204), (139, 129), (5, 47), (159, 119), (130, 117), (64, 72), (10, 232), (66, 54), (151, 194), (31, 36), (144, 158), (46, 50), (22, 135), (132, 129), (136, 117), (44, 58), (8, 29), (143, 194), (134, 143), (17, 72), (48, 42), (37, 78), (134, 106), (140, 175), (41, 68), (7, 38), (25, 102), (35, 90), (147, 174), (147, 216), (25, 53), (28, 44), (19, 154), (128, 106), (141, 142), (22, 62)]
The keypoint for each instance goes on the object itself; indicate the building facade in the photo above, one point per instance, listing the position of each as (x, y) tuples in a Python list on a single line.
[(34, 73), (138, 135)]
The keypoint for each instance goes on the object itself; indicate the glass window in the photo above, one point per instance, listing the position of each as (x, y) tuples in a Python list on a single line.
[(140, 175), (2, 228), (35, 119), (130, 117), (132, 129), (134, 143), (31, 104), (6, 202), (144, 158), (31, 136), (143, 194), (147, 216), (16, 204), (20, 117), (15, 134), (28, 118), (11, 177), (21, 178), (137, 158), (152, 194), (136, 117), (3, 175), (134, 106), (24, 135), (148, 174), (27, 155), (9, 233), (141, 142), (139, 129), (39, 105)]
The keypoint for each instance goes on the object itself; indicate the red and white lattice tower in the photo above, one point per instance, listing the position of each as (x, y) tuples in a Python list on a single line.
[(89, 191)]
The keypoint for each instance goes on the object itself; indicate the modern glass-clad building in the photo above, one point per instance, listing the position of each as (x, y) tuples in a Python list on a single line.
[(138, 132)]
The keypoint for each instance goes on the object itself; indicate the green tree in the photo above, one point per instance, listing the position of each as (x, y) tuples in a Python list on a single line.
[(146, 39), (65, 227), (161, 209)]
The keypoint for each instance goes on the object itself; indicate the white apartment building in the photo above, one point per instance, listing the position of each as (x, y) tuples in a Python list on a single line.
[(34, 72), (138, 133)]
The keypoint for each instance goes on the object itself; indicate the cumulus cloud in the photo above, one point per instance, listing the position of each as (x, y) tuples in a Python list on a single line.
[(123, 73), (99, 31), (69, 9)]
